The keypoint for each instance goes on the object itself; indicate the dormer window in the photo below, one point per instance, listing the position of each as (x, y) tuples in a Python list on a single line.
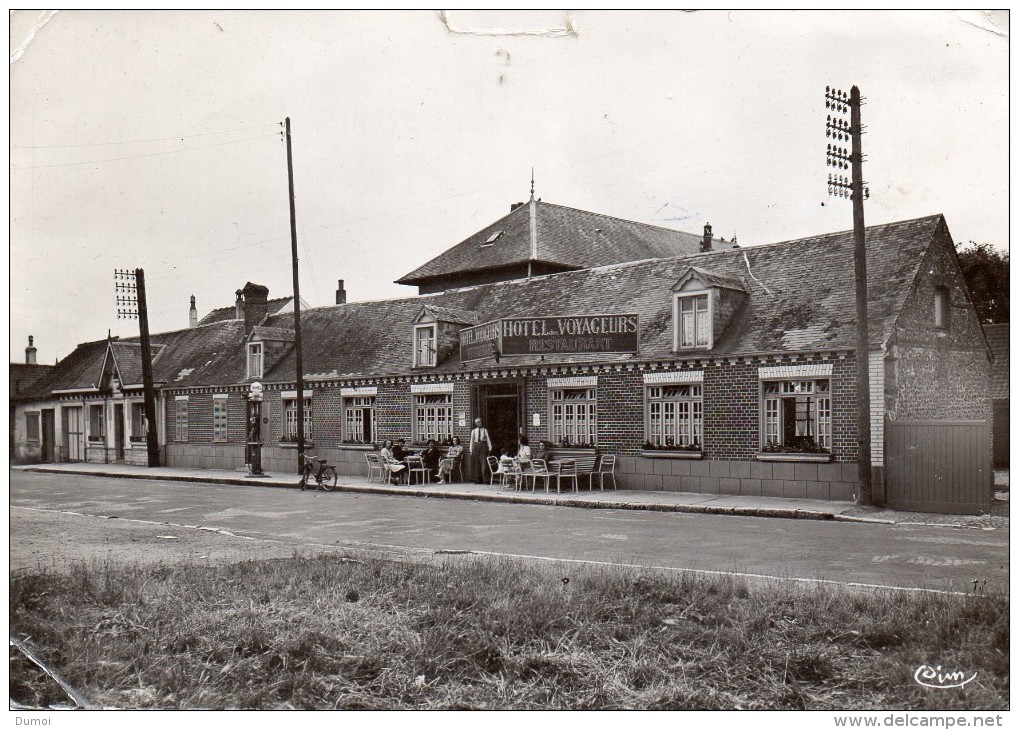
[(693, 321), (255, 360), (424, 346)]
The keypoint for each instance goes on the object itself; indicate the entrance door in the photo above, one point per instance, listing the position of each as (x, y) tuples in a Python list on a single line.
[(500, 412), (118, 430), (74, 434), (48, 435)]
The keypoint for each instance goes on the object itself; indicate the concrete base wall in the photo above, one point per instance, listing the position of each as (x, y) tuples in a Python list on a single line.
[(830, 481), (203, 456)]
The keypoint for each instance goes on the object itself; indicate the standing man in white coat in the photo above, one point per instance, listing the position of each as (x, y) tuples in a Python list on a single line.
[(480, 446)]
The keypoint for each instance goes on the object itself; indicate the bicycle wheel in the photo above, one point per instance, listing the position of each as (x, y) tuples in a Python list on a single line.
[(328, 478)]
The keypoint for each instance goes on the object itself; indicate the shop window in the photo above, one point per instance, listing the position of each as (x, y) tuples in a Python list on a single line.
[(797, 416), (424, 346), (574, 418), (941, 302), (675, 417), (255, 360), (219, 418), (692, 317), (359, 420), (32, 432), (290, 419), (96, 423), (433, 417), (138, 424), (180, 420)]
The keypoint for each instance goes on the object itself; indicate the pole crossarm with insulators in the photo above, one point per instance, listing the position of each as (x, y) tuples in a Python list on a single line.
[(840, 132)]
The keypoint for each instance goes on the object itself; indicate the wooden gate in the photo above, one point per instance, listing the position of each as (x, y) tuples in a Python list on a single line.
[(74, 434), (938, 466)]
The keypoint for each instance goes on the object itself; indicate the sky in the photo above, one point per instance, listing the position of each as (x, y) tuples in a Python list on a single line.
[(152, 140)]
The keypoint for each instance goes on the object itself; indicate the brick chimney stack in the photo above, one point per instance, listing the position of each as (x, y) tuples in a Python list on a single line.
[(341, 293), (30, 351), (239, 305), (193, 314), (256, 305), (706, 243)]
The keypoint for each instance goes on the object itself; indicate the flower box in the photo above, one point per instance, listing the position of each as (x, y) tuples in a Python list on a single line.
[(783, 456), (672, 454)]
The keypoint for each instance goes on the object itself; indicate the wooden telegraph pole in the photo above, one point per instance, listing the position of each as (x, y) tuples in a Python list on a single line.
[(838, 130), (131, 303), (297, 306)]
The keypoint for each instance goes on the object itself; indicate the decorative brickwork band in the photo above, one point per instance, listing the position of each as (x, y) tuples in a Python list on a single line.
[(781, 372), (682, 376), (364, 392), (431, 388), (575, 382)]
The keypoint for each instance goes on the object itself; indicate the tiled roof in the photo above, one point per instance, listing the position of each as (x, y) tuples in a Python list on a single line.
[(23, 376), (566, 237), (227, 313), (997, 340), (801, 299)]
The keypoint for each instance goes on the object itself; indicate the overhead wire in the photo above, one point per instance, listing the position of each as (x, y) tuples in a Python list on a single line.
[(139, 141), (139, 156)]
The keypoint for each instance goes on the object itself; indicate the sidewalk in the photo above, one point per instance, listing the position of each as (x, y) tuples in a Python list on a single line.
[(810, 509)]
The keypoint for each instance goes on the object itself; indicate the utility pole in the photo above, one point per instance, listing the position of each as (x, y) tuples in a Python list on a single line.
[(131, 303), (838, 130), (297, 307)]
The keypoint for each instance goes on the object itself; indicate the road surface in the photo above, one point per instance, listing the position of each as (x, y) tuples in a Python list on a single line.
[(57, 519)]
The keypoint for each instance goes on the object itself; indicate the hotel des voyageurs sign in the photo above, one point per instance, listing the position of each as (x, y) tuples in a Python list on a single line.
[(596, 333)]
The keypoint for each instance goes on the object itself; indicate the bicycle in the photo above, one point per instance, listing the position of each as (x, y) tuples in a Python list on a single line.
[(324, 476)]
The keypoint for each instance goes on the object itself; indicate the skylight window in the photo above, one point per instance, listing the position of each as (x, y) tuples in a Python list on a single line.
[(492, 239)]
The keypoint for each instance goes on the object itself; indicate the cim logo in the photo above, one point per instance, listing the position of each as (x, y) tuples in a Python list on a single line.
[(933, 677)]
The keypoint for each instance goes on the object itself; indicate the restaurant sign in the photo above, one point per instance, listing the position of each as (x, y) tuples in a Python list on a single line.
[(578, 334)]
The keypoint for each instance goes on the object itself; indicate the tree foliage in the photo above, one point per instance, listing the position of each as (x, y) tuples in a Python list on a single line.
[(986, 272)]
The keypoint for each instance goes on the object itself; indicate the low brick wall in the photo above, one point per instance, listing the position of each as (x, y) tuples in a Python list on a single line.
[(203, 456), (828, 481)]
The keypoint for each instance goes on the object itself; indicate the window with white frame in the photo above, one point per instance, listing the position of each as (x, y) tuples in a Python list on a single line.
[(692, 316), (797, 415), (255, 360), (138, 421), (574, 418), (359, 420), (180, 421), (675, 416), (32, 432), (219, 418), (433, 417), (96, 422), (424, 346), (290, 418)]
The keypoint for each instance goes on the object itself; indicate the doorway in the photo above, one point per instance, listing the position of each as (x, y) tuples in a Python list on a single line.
[(48, 435), (118, 431), (74, 434), (499, 407)]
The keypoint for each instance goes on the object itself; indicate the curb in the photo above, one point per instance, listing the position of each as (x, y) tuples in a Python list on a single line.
[(553, 501)]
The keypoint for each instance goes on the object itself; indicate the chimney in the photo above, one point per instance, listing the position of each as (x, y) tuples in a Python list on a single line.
[(341, 293), (30, 351), (193, 314), (706, 243), (514, 206), (256, 305), (239, 305)]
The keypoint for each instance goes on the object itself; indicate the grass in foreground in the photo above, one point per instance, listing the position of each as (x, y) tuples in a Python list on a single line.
[(330, 632)]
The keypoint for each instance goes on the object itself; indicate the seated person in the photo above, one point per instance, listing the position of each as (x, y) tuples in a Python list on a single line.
[(399, 452), (524, 453), (506, 463), (446, 464), (390, 463), (540, 452), (430, 457)]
